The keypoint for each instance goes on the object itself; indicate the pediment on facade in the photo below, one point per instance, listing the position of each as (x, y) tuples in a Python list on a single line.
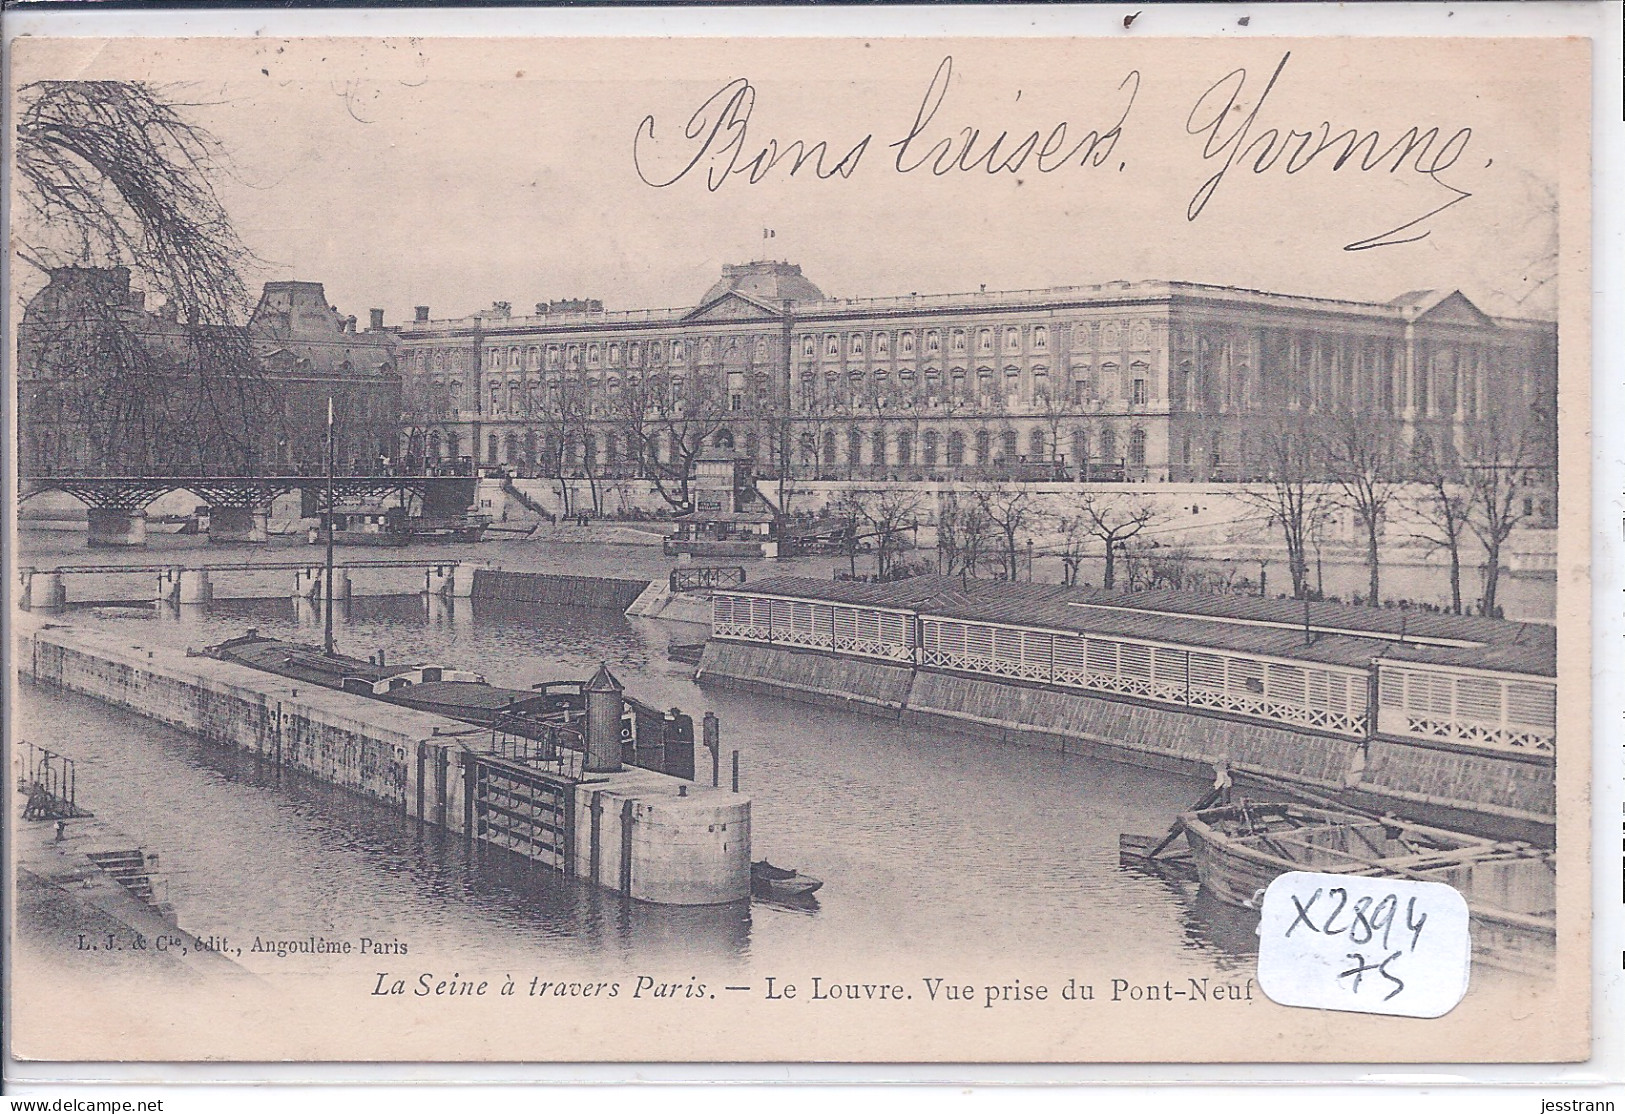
[(1452, 308), (732, 306)]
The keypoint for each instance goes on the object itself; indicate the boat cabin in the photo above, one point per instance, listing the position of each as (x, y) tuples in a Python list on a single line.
[(418, 675)]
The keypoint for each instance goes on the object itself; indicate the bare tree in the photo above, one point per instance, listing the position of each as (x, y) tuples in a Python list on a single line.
[(113, 173), (963, 536), (593, 447), (782, 453), (668, 420), (1076, 540), (1007, 514), (1501, 450), (1363, 456), (1112, 519), (890, 516), (1443, 510), (1291, 497), (561, 421)]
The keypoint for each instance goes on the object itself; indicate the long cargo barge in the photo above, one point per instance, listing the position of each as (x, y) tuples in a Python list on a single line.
[(553, 712)]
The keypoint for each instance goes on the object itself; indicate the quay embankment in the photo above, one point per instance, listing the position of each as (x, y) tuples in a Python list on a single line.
[(554, 590), (85, 898), (645, 835), (1441, 719)]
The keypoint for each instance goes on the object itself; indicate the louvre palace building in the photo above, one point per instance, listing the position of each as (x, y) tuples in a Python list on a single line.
[(1135, 381)]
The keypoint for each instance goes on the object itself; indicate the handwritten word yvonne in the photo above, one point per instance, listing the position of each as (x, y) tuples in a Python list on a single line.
[(717, 137), (1416, 151)]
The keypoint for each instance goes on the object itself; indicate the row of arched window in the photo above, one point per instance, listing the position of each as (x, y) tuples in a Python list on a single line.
[(633, 353), (905, 447), (954, 449), (880, 344)]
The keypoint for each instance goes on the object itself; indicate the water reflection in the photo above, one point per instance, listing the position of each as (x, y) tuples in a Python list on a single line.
[(437, 873), (929, 843), (1208, 924)]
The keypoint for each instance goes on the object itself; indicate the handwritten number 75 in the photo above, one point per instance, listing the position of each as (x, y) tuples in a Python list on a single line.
[(1361, 968)]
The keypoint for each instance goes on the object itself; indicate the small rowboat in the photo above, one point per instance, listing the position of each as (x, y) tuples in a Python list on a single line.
[(689, 653), (1510, 888), (767, 880)]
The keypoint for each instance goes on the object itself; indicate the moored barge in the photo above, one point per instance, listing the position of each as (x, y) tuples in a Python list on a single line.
[(550, 711), (1510, 887)]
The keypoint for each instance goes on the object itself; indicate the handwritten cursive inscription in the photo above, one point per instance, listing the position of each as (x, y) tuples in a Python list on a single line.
[(967, 151), (719, 132), (1416, 151), (717, 144), (717, 141)]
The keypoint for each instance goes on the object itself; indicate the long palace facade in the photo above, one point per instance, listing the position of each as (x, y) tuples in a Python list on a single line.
[(1145, 381)]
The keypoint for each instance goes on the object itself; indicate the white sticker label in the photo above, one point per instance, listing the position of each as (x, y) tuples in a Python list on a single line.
[(1371, 945)]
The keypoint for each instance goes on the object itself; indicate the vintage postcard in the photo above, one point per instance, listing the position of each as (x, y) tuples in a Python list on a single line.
[(980, 550)]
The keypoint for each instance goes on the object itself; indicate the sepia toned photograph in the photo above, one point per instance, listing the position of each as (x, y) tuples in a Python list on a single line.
[(801, 550)]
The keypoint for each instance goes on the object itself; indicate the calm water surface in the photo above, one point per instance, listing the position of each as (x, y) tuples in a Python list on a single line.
[(929, 843)]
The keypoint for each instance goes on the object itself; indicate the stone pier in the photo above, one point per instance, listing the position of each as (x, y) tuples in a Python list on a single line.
[(42, 591), (238, 524), (310, 583), (194, 587), (438, 579), (185, 586), (462, 582), (116, 529)]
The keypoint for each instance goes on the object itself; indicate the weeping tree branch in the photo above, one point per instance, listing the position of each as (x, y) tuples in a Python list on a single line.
[(113, 174)]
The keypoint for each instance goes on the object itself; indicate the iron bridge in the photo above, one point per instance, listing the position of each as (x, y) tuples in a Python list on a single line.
[(133, 493)]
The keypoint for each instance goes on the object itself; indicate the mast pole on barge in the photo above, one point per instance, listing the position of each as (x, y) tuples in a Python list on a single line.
[(327, 594)]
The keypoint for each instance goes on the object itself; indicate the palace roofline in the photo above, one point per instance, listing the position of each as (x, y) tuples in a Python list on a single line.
[(1408, 307)]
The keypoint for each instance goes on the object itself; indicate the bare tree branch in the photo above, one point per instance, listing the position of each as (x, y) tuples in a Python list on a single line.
[(113, 174)]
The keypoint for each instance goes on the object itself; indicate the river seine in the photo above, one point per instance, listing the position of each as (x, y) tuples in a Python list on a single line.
[(929, 843)]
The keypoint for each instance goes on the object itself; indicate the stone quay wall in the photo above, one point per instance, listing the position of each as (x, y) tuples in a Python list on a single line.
[(1510, 796), (680, 843)]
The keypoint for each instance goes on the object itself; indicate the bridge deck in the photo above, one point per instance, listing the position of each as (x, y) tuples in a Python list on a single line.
[(239, 566)]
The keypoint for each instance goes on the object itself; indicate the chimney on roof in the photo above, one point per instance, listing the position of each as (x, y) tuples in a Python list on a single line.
[(422, 314), (377, 316)]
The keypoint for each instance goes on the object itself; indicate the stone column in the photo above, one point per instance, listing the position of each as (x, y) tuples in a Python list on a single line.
[(111, 528), (604, 707)]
